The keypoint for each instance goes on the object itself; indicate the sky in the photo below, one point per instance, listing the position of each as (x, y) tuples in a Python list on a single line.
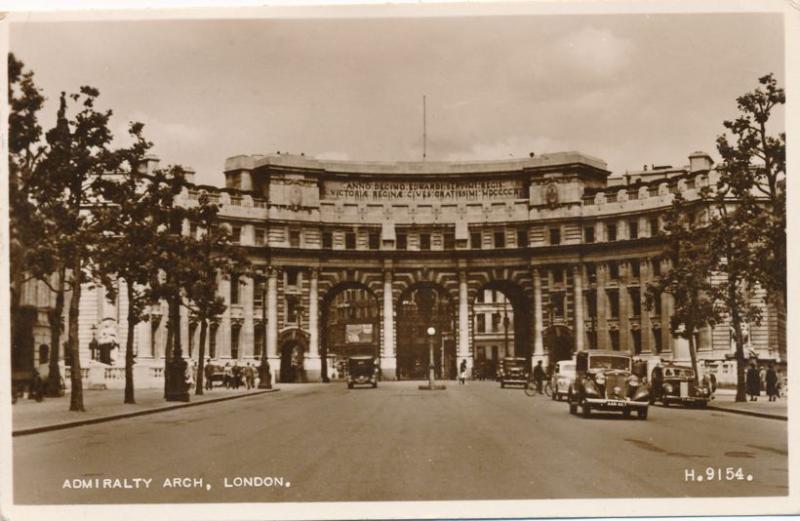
[(628, 89)]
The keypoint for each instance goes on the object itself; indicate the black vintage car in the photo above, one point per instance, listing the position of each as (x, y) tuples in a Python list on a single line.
[(513, 371), (361, 370), (604, 380), (674, 383)]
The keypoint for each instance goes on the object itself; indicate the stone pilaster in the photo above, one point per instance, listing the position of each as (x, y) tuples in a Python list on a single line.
[(577, 278), (272, 318), (388, 357), (313, 364), (538, 317), (463, 322), (602, 307), (247, 335)]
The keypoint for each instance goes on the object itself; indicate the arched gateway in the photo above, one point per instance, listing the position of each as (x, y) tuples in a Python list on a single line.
[(348, 251)]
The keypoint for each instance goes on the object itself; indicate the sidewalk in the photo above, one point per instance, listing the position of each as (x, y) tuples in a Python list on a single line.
[(724, 400), (29, 416)]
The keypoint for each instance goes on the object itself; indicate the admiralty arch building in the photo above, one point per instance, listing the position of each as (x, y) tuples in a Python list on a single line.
[(537, 257)]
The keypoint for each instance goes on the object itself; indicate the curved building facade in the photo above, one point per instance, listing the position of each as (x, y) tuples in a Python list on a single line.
[(364, 257)]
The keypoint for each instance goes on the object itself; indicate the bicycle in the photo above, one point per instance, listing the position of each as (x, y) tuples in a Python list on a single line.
[(531, 390)]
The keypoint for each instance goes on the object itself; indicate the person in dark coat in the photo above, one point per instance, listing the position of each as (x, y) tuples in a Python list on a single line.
[(772, 383), (753, 383), (538, 376)]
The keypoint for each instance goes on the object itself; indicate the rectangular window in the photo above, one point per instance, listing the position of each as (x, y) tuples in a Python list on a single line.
[(555, 236), (654, 226), (656, 267), (425, 241), (636, 302), (557, 303), (522, 238), (499, 239), (558, 275), (350, 240), (635, 270), (212, 340), (657, 304), (611, 232), (292, 276), (633, 229), (613, 303), (260, 237), (614, 336), (294, 238), (475, 240), (258, 292), (636, 335), (327, 240), (591, 273), (496, 322), (657, 339), (236, 234), (449, 241), (588, 234), (258, 341), (291, 309), (374, 240), (481, 325), (192, 332), (235, 341), (613, 270), (234, 289), (402, 241), (193, 231), (591, 303)]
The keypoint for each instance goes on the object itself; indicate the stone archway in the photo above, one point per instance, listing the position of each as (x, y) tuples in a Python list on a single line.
[(293, 345), (420, 306)]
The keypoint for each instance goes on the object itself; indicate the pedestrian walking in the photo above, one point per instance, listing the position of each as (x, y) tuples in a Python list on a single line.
[(250, 376), (462, 372), (227, 375), (753, 382), (772, 383), (712, 378), (208, 373), (538, 376)]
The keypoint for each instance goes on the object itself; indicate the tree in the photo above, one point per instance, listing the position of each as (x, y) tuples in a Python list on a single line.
[(213, 255), (64, 184), (688, 281), (753, 169), (133, 225)]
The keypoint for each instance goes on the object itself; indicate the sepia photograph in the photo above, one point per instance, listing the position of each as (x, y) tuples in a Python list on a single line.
[(407, 261)]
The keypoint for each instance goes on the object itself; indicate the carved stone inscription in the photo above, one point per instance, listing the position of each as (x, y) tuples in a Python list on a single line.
[(368, 190)]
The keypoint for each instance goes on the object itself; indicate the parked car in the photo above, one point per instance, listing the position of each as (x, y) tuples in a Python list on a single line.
[(563, 378), (674, 383), (513, 371), (604, 381), (361, 370)]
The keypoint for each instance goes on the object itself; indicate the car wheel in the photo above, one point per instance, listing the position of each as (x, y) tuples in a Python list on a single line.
[(573, 407), (375, 385), (642, 413), (554, 396), (626, 413), (586, 409), (665, 403), (349, 386), (502, 385)]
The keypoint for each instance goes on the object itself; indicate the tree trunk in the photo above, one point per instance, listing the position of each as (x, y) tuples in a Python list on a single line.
[(76, 393), (736, 321), (54, 376), (132, 320), (323, 353), (693, 356), (201, 358)]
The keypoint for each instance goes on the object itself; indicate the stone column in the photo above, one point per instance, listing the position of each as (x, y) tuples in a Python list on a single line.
[(388, 357), (602, 307), (272, 319), (463, 322), (224, 338), (313, 364), (646, 327), (538, 318), (577, 278), (624, 312), (247, 335)]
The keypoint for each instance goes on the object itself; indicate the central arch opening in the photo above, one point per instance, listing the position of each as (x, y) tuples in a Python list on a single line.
[(501, 326), (422, 306), (350, 327)]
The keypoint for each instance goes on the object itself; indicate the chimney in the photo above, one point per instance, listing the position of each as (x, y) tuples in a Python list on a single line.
[(700, 162), (188, 174), (149, 165)]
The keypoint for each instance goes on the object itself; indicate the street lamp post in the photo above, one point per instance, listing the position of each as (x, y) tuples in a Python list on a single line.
[(431, 332), (264, 375), (506, 323)]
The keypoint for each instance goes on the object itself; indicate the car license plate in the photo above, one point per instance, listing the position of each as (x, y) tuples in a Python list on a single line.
[(616, 403), (684, 389)]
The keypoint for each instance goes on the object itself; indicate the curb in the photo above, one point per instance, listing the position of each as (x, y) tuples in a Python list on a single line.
[(111, 417), (749, 413)]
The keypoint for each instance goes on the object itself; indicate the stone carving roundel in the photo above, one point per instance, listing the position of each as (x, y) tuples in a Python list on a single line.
[(551, 193)]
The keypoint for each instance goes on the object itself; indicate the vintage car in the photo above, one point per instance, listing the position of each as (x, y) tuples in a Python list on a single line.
[(563, 378), (674, 383), (361, 370), (604, 381), (513, 371)]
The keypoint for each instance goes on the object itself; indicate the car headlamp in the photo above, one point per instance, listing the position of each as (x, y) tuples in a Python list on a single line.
[(600, 379), (668, 388), (633, 381)]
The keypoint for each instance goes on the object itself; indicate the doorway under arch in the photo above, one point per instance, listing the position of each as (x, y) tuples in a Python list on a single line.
[(421, 306), (293, 346), (559, 342)]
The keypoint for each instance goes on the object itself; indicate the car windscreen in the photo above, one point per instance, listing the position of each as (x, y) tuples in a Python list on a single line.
[(675, 372), (610, 362), (513, 363), (566, 368)]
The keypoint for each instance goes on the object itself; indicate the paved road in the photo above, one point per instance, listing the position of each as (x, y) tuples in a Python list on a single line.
[(398, 443)]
